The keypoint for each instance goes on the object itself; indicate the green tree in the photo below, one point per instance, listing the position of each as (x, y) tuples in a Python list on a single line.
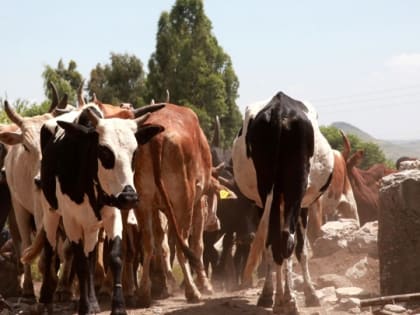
[(67, 80), (123, 80), (373, 153), (25, 108), (190, 64)]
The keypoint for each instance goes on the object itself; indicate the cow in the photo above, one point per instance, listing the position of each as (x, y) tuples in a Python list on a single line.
[(238, 218), (365, 185), (87, 175), (338, 200), (282, 162), (22, 165), (173, 173)]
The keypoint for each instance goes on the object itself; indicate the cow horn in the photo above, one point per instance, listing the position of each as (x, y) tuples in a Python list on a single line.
[(216, 136), (54, 95), (226, 182), (147, 109), (12, 114), (63, 102), (80, 94), (95, 99), (92, 117), (140, 120), (216, 169), (167, 96), (346, 145)]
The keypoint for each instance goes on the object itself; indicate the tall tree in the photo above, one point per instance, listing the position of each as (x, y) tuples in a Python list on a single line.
[(67, 80), (122, 80), (189, 62)]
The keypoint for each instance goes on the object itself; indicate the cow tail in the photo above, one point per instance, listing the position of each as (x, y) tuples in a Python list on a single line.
[(33, 251), (192, 258)]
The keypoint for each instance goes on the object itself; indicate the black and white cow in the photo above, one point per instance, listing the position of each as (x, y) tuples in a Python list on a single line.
[(86, 175), (283, 163)]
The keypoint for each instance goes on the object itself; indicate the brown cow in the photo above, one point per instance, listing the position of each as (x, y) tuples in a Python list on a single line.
[(365, 184), (338, 200), (173, 174)]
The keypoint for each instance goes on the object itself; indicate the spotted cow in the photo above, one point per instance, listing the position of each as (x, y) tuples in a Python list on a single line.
[(87, 175), (282, 162)]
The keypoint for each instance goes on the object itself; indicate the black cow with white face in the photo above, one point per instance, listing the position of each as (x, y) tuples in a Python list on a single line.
[(87, 176), (283, 163)]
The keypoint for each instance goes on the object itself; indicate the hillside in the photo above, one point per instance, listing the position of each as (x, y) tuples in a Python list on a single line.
[(392, 149)]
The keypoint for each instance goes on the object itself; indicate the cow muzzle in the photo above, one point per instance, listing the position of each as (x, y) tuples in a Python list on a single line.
[(127, 199)]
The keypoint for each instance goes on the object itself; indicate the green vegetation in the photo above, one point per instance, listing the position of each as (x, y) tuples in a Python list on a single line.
[(373, 153)]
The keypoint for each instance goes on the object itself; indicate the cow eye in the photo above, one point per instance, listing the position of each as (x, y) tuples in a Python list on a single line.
[(106, 156)]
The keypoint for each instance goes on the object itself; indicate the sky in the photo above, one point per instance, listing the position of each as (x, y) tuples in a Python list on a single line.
[(356, 61)]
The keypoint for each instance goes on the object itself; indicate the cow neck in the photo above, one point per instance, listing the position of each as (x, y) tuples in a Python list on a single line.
[(103, 199)]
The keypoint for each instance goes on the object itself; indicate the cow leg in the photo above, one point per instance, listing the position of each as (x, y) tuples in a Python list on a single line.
[(49, 279), (115, 263), (64, 287), (17, 243), (191, 292), (226, 266), (128, 252), (157, 271), (309, 290), (144, 218), (266, 297), (83, 269), (284, 302), (23, 219), (198, 247)]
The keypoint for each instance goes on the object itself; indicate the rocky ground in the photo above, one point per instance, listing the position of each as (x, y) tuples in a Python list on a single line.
[(344, 268)]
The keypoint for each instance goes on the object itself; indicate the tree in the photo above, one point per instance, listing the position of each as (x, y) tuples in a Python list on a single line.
[(197, 72), (121, 81), (373, 153), (67, 80)]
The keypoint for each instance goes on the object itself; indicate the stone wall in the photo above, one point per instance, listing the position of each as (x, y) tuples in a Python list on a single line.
[(399, 233)]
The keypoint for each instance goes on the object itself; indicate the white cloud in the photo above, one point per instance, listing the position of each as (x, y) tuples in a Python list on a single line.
[(404, 60)]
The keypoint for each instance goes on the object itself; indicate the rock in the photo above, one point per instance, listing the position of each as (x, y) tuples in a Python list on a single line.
[(333, 280), (327, 295), (347, 304), (349, 292), (399, 233), (359, 270), (392, 309), (336, 235), (365, 240)]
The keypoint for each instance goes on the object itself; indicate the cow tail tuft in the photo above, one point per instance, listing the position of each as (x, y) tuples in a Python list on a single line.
[(33, 251)]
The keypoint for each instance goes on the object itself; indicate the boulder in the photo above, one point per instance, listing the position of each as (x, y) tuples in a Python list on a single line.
[(333, 280), (359, 270), (365, 240), (399, 233)]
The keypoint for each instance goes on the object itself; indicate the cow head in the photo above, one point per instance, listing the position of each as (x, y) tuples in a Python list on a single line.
[(113, 143)]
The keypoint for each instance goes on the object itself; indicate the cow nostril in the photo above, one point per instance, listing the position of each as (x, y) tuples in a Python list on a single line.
[(128, 189)]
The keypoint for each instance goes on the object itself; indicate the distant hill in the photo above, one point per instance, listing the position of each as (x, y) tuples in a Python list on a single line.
[(392, 149)]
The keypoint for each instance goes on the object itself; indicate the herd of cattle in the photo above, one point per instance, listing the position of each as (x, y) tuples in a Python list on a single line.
[(98, 190)]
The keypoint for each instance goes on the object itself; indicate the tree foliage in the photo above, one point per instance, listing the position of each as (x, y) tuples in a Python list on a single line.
[(25, 108), (123, 80), (189, 62), (373, 153), (67, 80)]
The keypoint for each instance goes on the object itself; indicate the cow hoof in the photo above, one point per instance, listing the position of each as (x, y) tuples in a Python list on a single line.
[(288, 309), (130, 301), (265, 301), (63, 296), (119, 311), (144, 301), (311, 299), (193, 297)]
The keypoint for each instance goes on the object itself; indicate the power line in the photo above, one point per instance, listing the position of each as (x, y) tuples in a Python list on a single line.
[(366, 93), (369, 100)]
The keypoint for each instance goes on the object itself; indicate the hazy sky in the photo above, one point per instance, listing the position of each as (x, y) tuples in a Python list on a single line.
[(357, 61)]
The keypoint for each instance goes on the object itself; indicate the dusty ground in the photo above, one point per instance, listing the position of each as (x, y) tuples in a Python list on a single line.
[(244, 301)]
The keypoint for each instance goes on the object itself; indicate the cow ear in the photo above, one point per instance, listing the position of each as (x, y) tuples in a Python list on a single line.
[(72, 128), (146, 132), (11, 138)]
